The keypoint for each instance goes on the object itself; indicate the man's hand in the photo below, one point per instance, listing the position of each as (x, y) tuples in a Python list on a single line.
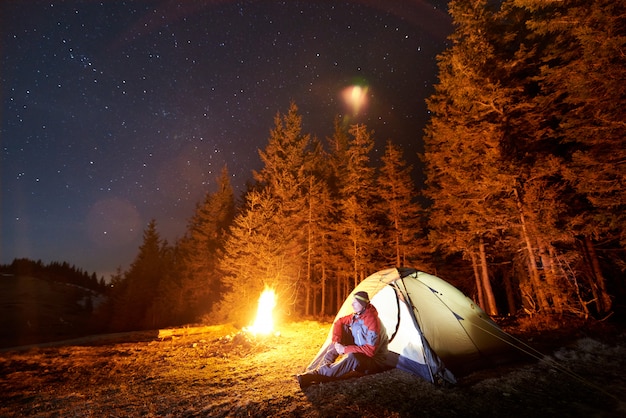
[(340, 348)]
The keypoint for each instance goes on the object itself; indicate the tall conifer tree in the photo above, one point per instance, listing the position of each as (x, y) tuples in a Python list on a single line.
[(359, 232), (338, 265), (200, 249), (398, 204), (267, 246), (471, 195), (582, 68), (320, 214), (141, 284), (254, 257)]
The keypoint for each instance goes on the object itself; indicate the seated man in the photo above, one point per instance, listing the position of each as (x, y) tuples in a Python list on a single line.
[(359, 344)]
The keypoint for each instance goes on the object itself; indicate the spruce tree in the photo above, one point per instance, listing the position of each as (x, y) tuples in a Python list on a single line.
[(320, 213), (141, 283), (337, 264), (471, 193), (399, 207), (254, 257), (359, 233), (200, 249), (582, 94), (272, 224)]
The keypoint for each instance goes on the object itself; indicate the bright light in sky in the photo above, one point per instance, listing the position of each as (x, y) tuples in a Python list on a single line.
[(106, 127), (355, 97)]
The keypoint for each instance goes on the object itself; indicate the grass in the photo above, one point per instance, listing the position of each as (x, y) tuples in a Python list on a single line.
[(224, 372)]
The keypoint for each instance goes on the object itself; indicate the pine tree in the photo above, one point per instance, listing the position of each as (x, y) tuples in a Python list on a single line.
[(518, 111), (583, 95), (471, 193), (534, 154), (337, 267), (319, 231), (200, 249), (164, 309), (359, 233), (284, 160), (398, 204), (273, 218), (254, 257), (141, 284)]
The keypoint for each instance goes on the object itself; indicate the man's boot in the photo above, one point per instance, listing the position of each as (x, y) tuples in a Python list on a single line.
[(307, 379)]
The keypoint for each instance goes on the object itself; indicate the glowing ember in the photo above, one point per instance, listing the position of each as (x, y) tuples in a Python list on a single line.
[(264, 322)]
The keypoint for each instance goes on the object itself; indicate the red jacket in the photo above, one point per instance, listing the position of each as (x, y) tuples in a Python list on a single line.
[(366, 331)]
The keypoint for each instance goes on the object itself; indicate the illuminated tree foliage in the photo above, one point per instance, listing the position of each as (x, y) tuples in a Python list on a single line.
[(338, 267), (311, 226), (584, 91), (273, 220), (525, 164), (320, 210), (399, 208), (197, 286), (254, 256), (471, 192), (518, 154), (358, 233)]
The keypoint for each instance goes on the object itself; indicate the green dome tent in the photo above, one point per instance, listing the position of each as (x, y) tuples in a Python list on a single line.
[(434, 329)]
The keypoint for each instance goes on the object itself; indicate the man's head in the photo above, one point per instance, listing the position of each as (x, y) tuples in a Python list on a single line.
[(360, 302)]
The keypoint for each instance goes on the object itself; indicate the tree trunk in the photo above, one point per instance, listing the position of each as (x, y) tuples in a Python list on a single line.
[(307, 298), (309, 252), (339, 291), (398, 253), (356, 261), (554, 290), (479, 286), (490, 300), (510, 294), (570, 276), (597, 281), (532, 264), (323, 291)]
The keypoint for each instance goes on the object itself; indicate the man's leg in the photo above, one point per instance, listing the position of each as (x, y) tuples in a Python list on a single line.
[(349, 363), (328, 369), (330, 356), (313, 376)]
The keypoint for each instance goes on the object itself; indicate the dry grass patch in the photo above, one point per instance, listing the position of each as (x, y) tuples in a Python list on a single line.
[(224, 372)]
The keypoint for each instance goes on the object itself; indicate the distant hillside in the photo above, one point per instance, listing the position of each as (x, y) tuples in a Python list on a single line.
[(34, 310)]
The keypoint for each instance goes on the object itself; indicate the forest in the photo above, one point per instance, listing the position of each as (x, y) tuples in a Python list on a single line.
[(522, 208), (55, 272)]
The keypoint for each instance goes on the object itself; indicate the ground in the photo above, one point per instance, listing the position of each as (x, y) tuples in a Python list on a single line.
[(226, 372)]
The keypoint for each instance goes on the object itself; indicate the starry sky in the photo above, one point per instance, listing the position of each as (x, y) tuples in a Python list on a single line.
[(118, 112)]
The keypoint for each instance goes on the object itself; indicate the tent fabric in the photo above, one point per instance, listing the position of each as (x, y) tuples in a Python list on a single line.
[(433, 328)]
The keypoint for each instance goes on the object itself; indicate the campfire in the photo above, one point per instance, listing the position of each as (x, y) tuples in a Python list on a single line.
[(264, 322)]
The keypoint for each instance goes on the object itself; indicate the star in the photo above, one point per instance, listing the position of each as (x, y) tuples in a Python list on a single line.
[(116, 113)]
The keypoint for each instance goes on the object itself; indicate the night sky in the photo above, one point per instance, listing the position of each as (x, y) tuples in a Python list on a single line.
[(118, 112)]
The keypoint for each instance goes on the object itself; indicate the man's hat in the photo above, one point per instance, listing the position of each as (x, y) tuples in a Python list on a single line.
[(362, 297)]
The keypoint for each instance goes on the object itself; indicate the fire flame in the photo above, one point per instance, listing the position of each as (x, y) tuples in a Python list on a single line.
[(264, 322)]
